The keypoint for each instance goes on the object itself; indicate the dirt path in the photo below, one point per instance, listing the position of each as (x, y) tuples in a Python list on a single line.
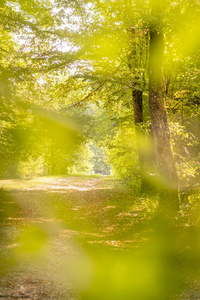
[(48, 226), (63, 213), (30, 208)]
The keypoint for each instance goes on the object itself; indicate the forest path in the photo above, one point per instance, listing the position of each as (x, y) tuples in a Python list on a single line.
[(46, 221), (49, 224)]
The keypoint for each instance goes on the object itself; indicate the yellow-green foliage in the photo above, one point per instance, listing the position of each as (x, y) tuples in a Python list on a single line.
[(82, 163), (31, 167), (123, 155), (184, 145)]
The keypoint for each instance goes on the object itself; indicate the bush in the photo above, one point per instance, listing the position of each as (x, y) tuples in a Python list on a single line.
[(123, 156), (30, 168)]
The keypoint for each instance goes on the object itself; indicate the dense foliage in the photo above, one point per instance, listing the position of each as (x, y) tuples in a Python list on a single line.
[(69, 71), (109, 87)]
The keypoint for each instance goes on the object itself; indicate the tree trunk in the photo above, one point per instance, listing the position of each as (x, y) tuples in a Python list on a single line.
[(166, 180), (144, 143), (138, 118)]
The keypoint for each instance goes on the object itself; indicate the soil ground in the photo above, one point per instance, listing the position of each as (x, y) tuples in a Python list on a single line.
[(49, 226)]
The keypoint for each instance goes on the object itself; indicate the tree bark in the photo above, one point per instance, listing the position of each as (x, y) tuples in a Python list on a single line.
[(138, 118), (166, 181), (144, 143), (137, 106)]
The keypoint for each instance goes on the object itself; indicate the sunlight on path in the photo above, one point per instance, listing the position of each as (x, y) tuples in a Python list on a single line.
[(55, 231), (55, 225), (42, 268), (51, 184)]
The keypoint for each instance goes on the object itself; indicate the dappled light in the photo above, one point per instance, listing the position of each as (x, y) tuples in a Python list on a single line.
[(99, 149), (48, 231), (68, 239)]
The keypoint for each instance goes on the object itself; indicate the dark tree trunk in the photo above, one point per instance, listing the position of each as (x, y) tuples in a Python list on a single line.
[(138, 118), (137, 105), (166, 181), (144, 144)]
